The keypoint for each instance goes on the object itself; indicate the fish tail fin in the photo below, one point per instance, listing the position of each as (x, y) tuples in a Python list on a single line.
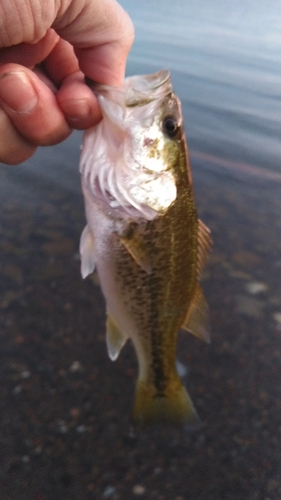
[(173, 407)]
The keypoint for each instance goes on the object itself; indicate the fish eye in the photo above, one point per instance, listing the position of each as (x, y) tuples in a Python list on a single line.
[(170, 126)]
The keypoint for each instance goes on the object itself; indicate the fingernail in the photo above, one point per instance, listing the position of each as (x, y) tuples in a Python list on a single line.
[(17, 92), (76, 109)]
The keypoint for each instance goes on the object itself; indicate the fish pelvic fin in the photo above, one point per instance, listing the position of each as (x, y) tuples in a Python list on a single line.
[(172, 407), (115, 338), (87, 252), (197, 320)]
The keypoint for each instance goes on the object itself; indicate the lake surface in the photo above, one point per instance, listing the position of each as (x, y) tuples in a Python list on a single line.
[(65, 408), (226, 66)]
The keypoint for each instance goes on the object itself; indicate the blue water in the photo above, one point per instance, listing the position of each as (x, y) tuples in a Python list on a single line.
[(225, 60)]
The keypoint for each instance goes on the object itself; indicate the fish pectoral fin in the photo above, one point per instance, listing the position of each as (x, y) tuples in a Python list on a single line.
[(197, 318), (204, 246), (134, 244), (87, 252), (115, 339)]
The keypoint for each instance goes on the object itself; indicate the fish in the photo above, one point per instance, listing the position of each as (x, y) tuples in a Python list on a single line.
[(144, 239)]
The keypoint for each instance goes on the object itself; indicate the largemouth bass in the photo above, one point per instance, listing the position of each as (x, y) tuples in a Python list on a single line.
[(144, 238)]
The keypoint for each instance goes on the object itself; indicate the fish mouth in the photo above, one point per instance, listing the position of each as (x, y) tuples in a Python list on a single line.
[(155, 80), (146, 83), (143, 89), (137, 90)]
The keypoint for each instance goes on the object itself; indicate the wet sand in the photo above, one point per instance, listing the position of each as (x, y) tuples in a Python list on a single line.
[(65, 407)]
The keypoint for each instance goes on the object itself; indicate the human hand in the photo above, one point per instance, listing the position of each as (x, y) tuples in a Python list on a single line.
[(46, 48)]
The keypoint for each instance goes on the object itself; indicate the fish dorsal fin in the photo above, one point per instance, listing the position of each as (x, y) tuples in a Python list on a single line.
[(135, 245), (197, 318), (115, 339), (204, 245), (87, 252)]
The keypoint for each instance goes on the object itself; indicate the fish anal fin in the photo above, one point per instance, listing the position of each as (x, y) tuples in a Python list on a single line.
[(197, 318), (115, 339), (135, 245), (87, 252), (204, 246), (174, 407)]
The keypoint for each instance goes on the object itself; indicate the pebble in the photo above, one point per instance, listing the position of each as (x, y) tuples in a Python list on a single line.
[(109, 491), (138, 489), (75, 367), (63, 427), (255, 287), (277, 317), (157, 470), (74, 412), (80, 429), (249, 306), (239, 274), (181, 369), (246, 258), (17, 390)]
